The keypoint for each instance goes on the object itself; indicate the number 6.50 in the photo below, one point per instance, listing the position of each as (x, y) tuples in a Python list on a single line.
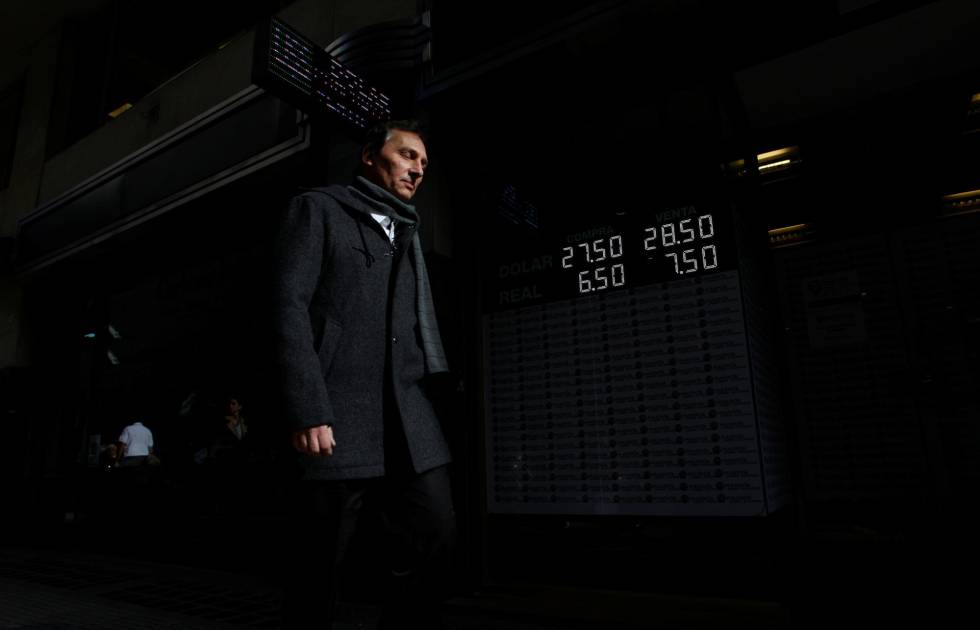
[(601, 278)]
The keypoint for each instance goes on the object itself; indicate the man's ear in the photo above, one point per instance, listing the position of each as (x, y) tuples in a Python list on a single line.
[(367, 159)]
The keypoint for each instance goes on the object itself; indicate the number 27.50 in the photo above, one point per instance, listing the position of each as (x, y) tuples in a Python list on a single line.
[(596, 251)]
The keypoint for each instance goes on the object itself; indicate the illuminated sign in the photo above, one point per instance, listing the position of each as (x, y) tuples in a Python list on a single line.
[(620, 377), (629, 249), (297, 70), (687, 244)]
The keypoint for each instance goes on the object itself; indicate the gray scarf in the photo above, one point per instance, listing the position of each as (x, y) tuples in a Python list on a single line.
[(383, 202)]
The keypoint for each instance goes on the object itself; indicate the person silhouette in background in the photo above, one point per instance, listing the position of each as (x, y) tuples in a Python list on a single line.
[(137, 443), (235, 463), (231, 432)]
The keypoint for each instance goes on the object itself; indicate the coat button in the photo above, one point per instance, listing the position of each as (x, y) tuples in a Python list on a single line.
[(394, 340)]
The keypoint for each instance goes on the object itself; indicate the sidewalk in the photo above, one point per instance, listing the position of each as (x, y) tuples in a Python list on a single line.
[(69, 591), (73, 590)]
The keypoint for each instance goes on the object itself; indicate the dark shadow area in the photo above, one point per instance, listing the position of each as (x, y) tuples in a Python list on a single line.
[(868, 318)]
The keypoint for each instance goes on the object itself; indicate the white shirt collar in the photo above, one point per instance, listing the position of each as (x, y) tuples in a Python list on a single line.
[(387, 223)]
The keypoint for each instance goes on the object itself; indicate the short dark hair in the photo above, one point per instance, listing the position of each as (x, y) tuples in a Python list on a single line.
[(377, 135)]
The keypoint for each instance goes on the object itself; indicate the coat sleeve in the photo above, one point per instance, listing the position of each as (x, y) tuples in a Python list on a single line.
[(298, 258)]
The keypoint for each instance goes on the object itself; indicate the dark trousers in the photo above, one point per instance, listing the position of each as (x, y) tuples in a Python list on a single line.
[(418, 528)]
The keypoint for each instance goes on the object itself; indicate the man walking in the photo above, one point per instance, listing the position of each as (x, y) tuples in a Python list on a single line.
[(356, 340)]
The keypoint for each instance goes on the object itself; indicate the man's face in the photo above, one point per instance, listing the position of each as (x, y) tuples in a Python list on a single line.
[(399, 165)]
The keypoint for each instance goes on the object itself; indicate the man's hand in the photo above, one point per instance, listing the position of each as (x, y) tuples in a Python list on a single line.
[(315, 440)]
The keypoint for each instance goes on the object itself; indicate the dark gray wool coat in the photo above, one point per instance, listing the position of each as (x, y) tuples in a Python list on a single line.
[(346, 304)]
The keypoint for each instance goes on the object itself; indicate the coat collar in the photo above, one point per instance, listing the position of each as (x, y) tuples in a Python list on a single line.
[(382, 201)]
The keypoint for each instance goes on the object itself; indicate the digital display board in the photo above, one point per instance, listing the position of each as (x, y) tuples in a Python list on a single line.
[(689, 244), (301, 72), (629, 249), (619, 376)]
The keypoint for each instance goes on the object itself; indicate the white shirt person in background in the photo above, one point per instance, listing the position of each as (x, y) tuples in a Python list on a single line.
[(137, 443)]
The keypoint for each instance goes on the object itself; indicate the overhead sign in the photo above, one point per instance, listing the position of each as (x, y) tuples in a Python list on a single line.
[(297, 70)]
